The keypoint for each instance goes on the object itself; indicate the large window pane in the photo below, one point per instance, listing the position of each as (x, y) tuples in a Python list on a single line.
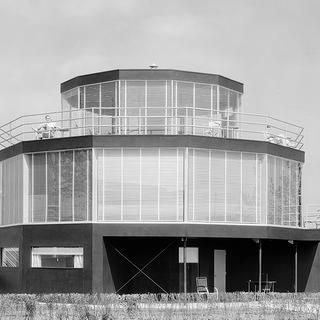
[(156, 103), (168, 184), (131, 184), (90, 185), (201, 185), (262, 187), (53, 186), (108, 108), (149, 180), (100, 183), (80, 185), (92, 96), (66, 185), (12, 190), (273, 188), (10, 257), (293, 194), (249, 188), (278, 196), (286, 192), (57, 257), (112, 184), (39, 187), (134, 101), (233, 186), (185, 107), (218, 186)]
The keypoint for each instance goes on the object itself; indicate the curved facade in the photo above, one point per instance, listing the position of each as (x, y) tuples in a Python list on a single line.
[(151, 163), (151, 185)]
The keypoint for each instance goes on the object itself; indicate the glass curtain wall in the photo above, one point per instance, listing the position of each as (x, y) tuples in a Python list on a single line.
[(284, 192), (151, 184), (226, 186), (140, 184), (61, 186), (239, 187), (137, 107), (11, 190), (91, 109)]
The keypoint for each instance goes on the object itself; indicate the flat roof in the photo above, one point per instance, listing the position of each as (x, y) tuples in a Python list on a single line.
[(150, 74)]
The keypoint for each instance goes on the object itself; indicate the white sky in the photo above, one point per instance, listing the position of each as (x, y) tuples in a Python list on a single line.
[(272, 46)]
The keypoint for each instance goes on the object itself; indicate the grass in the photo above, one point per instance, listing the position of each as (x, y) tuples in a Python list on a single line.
[(229, 306)]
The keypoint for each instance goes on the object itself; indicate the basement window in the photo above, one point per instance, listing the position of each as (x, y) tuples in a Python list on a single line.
[(10, 257), (57, 257)]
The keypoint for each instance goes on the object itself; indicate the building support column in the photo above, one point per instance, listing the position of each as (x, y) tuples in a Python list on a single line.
[(185, 267), (295, 264), (296, 268), (260, 264)]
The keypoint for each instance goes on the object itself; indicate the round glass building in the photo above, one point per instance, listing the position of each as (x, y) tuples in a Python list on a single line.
[(147, 154)]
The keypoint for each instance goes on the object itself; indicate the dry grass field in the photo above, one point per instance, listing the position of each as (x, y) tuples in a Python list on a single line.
[(229, 306)]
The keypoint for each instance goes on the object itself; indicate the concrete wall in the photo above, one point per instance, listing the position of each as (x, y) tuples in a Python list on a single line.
[(106, 268)]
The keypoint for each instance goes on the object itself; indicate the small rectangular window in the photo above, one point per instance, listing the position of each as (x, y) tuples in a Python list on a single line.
[(192, 255), (10, 257), (57, 257)]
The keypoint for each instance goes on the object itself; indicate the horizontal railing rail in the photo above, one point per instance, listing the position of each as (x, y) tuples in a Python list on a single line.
[(151, 121)]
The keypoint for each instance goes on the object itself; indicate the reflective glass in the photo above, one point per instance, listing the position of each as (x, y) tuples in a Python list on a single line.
[(131, 184), (80, 185), (218, 182), (249, 188), (168, 192), (112, 164), (39, 187), (53, 186), (201, 185), (66, 185), (233, 186), (149, 183)]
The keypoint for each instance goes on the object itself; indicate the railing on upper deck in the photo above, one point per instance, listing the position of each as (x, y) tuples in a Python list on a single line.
[(220, 124), (311, 217)]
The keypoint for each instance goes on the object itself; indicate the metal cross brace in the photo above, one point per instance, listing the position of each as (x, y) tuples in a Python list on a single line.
[(140, 270)]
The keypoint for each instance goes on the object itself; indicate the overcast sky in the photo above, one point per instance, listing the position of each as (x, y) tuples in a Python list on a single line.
[(272, 46)]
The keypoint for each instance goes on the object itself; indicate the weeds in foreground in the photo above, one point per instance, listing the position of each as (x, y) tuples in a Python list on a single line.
[(231, 306)]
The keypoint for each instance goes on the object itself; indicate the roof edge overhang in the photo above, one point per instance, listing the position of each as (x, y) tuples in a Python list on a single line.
[(150, 74), (167, 229), (130, 141)]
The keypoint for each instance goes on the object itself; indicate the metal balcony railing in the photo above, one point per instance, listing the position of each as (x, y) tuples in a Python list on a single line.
[(151, 121), (311, 217)]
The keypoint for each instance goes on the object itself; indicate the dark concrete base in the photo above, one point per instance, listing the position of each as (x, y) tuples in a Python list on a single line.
[(113, 255)]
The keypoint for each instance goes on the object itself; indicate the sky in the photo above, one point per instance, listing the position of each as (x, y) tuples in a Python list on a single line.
[(271, 46)]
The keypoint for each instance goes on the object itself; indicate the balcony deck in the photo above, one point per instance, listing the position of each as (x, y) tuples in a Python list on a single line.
[(82, 122)]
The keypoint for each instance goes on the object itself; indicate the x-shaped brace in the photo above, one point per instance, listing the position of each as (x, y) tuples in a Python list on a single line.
[(140, 270)]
